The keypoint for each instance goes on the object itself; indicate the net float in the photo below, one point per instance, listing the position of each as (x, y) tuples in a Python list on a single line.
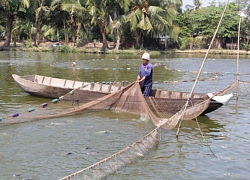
[(55, 100), (15, 115), (44, 105), (31, 109)]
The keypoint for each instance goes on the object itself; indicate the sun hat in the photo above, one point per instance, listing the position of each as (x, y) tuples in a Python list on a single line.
[(146, 56)]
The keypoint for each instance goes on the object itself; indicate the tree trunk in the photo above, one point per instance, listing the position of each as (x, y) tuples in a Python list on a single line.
[(66, 35), (137, 38), (15, 40), (38, 35), (78, 33), (73, 34), (219, 44), (142, 42), (57, 35), (86, 30), (14, 36), (87, 35), (104, 39), (118, 39), (9, 30)]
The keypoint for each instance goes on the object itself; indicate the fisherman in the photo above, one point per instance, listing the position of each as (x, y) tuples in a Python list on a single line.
[(73, 64), (145, 75)]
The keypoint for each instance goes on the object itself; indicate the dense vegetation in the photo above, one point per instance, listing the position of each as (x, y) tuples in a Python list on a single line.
[(128, 23)]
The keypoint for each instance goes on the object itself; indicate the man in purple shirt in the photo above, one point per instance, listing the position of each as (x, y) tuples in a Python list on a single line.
[(145, 75)]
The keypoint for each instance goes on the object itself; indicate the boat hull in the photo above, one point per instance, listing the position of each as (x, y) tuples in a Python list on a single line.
[(39, 89), (168, 104)]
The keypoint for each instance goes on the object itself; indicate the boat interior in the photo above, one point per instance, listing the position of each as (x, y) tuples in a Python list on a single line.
[(107, 87)]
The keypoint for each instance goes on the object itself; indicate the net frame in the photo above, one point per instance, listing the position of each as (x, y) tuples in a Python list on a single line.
[(138, 152)]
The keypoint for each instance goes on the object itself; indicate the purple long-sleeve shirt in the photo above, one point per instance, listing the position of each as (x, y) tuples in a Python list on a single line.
[(147, 71)]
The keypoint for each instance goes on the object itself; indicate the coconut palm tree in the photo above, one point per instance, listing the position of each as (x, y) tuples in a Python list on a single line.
[(145, 18), (197, 4), (100, 16), (75, 12), (107, 13), (118, 19), (117, 28), (11, 10), (41, 14), (59, 19)]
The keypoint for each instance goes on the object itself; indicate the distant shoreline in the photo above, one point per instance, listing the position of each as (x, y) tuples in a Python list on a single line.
[(214, 51), (90, 49)]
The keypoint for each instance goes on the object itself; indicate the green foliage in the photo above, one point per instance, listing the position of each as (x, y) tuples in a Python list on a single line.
[(129, 22), (245, 28), (182, 21), (204, 21), (28, 43), (192, 43), (65, 48), (11, 10), (153, 19), (185, 43), (246, 47)]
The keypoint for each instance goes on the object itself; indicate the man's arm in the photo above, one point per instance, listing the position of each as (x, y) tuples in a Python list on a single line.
[(148, 72), (138, 76), (142, 79)]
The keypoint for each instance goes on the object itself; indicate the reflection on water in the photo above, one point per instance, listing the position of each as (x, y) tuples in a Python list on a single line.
[(53, 148)]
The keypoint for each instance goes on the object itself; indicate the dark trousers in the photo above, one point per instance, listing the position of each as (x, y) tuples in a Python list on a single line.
[(146, 90)]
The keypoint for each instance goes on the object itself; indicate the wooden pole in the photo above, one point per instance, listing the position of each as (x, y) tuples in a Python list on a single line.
[(238, 63), (202, 65)]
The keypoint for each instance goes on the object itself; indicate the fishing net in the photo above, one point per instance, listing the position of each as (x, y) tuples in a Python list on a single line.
[(242, 88), (136, 150), (128, 99), (120, 159)]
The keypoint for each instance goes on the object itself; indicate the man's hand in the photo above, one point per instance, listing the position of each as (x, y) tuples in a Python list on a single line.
[(142, 79), (138, 79)]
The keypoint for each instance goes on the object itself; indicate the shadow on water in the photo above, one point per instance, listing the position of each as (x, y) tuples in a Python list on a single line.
[(207, 126)]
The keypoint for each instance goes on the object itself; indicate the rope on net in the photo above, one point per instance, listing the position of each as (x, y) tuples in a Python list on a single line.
[(137, 149), (128, 99), (120, 159)]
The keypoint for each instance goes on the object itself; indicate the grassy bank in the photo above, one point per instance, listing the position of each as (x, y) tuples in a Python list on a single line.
[(98, 50), (213, 51), (71, 49)]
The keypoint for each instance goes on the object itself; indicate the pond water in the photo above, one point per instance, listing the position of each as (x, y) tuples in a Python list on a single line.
[(54, 148)]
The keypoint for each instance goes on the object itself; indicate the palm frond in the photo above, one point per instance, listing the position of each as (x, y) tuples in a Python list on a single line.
[(26, 3), (51, 31)]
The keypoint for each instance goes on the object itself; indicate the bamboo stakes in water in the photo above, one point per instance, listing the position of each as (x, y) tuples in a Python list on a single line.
[(202, 65), (238, 64)]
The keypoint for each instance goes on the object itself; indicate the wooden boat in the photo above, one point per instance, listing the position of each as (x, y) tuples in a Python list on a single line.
[(169, 101)]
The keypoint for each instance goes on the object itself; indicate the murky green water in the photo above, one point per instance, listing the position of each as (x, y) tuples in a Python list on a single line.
[(51, 149)]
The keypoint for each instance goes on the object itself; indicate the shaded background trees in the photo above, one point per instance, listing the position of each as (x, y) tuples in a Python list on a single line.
[(126, 23), (198, 26)]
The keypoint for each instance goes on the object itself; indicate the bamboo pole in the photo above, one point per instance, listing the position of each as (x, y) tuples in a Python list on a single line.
[(238, 64), (202, 65)]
